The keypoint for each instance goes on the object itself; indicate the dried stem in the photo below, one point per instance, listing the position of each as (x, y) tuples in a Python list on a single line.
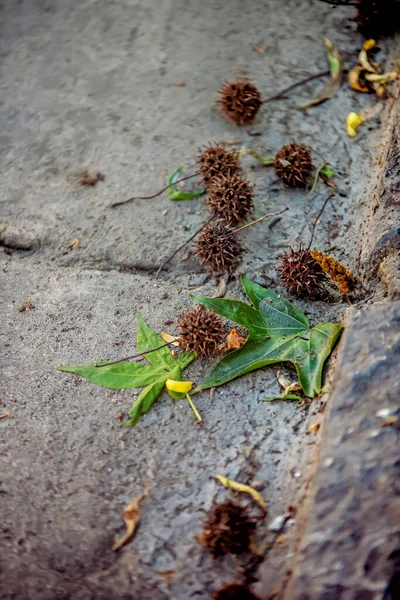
[(194, 409), (317, 219), (114, 362), (265, 160), (258, 220), (153, 195), (316, 177), (282, 93), (160, 268)]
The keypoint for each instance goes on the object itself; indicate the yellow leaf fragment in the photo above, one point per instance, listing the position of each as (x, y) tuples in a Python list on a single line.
[(170, 339), (73, 243), (382, 78), (241, 487), (178, 386), (131, 518), (293, 387), (353, 122), (354, 79), (6, 415), (363, 57), (314, 427)]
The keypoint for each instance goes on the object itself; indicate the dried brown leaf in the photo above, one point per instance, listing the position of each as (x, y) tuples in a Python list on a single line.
[(26, 305), (73, 243), (262, 49), (90, 179), (6, 415), (131, 518), (234, 340)]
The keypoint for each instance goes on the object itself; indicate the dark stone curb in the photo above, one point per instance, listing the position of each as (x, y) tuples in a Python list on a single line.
[(351, 548)]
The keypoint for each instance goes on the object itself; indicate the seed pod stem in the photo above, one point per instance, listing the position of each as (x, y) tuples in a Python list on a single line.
[(265, 160), (161, 267), (194, 409), (258, 220), (153, 195), (114, 362)]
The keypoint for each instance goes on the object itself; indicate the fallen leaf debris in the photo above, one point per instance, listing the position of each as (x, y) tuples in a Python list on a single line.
[(242, 487), (90, 179), (131, 518), (26, 305)]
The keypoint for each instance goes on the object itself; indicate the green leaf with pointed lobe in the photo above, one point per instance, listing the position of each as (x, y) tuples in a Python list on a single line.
[(126, 375), (278, 332)]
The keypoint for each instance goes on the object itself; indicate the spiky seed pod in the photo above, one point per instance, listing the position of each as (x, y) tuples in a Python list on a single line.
[(336, 271), (377, 18), (230, 199), (301, 274), (293, 164), (215, 160), (217, 247), (234, 591), (201, 331), (228, 529), (239, 101)]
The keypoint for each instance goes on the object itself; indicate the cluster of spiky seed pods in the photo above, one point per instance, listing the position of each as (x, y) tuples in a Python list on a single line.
[(230, 200)]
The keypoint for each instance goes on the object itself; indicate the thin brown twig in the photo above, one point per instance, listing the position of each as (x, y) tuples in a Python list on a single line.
[(206, 223), (153, 195), (114, 362), (316, 177), (317, 219), (258, 220), (160, 268), (282, 93)]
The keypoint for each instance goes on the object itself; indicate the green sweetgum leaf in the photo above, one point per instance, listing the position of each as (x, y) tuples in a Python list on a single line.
[(278, 332), (175, 194), (126, 375)]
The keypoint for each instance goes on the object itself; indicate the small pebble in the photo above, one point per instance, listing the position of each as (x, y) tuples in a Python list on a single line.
[(277, 523)]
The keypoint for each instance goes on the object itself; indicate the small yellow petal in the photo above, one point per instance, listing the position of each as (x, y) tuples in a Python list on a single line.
[(353, 121), (242, 487), (179, 386), (170, 339), (369, 44)]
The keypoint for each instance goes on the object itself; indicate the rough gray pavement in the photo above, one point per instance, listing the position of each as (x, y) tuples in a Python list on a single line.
[(88, 84)]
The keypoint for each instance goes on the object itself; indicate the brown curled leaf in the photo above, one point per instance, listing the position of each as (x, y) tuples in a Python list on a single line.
[(354, 80), (131, 518), (234, 340)]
